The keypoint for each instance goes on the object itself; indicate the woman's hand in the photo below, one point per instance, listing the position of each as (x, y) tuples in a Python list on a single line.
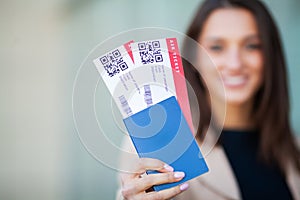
[(134, 186)]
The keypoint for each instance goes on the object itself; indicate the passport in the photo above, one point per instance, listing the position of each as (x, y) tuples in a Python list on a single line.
[(161, 132)]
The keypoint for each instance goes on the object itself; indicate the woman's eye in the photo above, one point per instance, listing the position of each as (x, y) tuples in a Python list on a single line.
[(216, 48), (253, 46)]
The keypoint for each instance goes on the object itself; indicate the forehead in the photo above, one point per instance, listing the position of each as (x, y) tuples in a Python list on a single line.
[(229, 23)]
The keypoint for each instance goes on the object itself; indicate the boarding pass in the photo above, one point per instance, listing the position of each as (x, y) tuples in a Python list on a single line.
[(137, 83)]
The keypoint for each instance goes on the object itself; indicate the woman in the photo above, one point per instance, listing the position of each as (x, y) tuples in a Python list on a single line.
[(256, 157)]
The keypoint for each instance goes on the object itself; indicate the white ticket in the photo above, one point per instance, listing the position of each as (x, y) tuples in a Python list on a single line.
[(139, 76), (114, 68), (153, 56)]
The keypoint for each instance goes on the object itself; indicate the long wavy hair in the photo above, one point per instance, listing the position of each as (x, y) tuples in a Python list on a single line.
[(271, 107)]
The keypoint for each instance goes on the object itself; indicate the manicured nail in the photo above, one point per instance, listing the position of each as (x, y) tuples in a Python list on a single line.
[(168, 168), (179, 174), (184, 186)]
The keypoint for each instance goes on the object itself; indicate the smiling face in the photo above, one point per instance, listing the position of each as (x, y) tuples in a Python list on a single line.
[(231, 39)]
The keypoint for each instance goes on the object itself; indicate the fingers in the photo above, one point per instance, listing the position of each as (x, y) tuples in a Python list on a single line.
[(142, 184), (152, 164), (131, 192), (145, 164), (168, 193), (134, 185), (157, 179)]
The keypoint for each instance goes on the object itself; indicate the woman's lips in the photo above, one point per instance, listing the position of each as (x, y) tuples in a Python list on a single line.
[(234, 81)]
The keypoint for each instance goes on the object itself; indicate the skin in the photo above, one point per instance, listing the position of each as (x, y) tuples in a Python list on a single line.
[(234, 48), (134, 185)]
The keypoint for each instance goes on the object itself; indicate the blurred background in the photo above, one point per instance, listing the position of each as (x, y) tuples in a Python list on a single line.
[(42, 44)]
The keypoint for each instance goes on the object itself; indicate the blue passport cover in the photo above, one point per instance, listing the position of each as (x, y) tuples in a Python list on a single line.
[(161, 131)]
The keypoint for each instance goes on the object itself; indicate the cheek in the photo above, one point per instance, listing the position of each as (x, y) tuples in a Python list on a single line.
[(205, 66), (208, 69), (255, 65), (255, 60)]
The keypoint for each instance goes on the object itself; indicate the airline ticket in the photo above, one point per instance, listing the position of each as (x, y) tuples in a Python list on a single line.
[(140, 74)]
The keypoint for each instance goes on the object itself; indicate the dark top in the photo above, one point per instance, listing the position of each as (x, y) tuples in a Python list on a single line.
[(256, 179)]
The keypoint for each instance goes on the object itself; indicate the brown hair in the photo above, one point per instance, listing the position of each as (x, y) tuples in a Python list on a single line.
[(271, 106)]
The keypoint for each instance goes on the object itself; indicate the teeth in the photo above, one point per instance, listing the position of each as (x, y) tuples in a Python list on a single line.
[(236, 80)]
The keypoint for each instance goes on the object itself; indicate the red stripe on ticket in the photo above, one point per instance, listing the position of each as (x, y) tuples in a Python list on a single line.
[(128, 49), (179, 80)]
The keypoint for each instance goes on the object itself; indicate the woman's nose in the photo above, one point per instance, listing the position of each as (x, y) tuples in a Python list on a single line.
[(233, 60)]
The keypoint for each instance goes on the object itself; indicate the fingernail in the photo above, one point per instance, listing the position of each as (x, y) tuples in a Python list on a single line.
[(168, 168), (184, 186), (179, 174)]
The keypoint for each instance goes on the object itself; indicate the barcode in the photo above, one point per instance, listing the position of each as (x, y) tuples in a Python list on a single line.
[(125, 106), (113, 63), (148, 95), (150, 52)]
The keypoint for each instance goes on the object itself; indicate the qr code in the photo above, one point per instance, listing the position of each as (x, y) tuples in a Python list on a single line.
[(150, 52), (113, 63)]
